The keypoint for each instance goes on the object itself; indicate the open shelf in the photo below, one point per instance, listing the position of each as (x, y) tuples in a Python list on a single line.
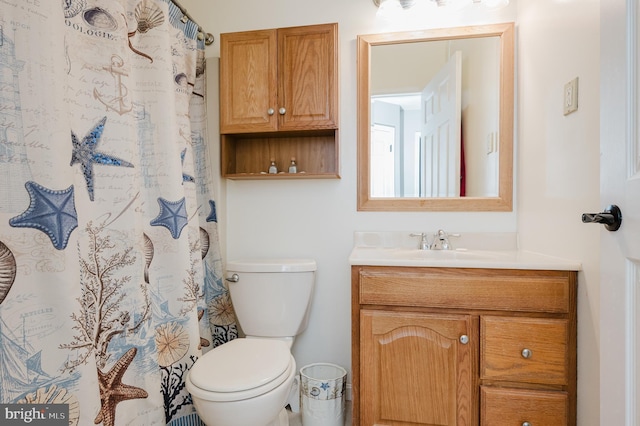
[(248, 156)]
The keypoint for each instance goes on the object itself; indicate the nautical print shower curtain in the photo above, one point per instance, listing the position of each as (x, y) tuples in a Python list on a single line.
[(110, 270)]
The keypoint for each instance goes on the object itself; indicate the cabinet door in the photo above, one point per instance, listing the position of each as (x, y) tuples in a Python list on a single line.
[(415, 369), (248, 85), (307, 81)]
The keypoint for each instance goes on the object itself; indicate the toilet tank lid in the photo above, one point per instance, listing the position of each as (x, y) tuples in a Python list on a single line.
[(271, 265)]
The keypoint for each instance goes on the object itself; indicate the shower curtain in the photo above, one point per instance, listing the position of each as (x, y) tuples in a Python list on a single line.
[(110, 269)]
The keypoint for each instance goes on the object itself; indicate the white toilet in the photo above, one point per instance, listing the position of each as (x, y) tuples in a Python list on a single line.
[(246, 382)]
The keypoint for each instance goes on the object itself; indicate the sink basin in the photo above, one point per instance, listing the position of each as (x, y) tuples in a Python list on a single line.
[(415, 257), (435, 255)]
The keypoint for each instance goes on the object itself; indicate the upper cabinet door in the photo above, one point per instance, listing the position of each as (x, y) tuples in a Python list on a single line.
[(248, 82), (279, 80), (307, 77)]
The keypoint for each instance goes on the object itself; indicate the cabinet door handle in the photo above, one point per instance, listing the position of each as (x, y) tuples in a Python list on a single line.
[(271, 111), (464, 339), (282, 111), (526, 353)]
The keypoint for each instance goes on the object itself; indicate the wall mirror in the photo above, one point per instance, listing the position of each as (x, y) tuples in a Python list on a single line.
[(435, 119)]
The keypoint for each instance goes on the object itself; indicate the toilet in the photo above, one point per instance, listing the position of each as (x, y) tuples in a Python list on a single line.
[(247, 381)]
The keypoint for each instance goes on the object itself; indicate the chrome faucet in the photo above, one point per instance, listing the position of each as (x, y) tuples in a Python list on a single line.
[(441, 240), (424, 243)]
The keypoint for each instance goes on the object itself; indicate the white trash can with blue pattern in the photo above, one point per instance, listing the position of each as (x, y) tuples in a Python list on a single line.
[(322, 394)]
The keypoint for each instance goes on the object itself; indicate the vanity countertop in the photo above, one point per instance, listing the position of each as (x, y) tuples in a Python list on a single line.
[(373, 249), (503, 259)]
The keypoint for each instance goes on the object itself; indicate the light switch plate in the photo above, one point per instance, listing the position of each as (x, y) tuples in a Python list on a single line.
[(570, 98)]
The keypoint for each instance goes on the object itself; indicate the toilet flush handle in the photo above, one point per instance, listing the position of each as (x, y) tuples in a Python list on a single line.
[(233, 278)]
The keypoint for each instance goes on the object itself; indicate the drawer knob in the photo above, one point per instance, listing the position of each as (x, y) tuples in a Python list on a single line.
[(526, 353), (526, 424), (464, 339)]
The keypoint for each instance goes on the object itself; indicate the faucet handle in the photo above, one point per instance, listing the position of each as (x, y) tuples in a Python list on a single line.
[(445, 234), (441, 240), (424, 242)]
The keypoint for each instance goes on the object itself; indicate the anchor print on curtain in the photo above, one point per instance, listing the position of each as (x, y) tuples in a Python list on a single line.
[(110, 269)]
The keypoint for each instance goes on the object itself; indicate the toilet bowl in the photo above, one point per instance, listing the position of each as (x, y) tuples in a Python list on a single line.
[(247, 381), (243, 382)]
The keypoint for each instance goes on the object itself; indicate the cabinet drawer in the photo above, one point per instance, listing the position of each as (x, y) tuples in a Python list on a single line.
[(514, 407), (512, 290), (504, 342)]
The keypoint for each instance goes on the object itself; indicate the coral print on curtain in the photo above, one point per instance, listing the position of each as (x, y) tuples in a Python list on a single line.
[(110, 270)]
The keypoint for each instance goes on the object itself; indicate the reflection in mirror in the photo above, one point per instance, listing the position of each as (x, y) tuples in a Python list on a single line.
[(436, 119), (434, 152)]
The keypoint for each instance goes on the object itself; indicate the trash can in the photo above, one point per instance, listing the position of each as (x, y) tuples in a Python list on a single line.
[(322, 394)]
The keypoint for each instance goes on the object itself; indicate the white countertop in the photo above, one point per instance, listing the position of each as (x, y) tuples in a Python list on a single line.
[(381, 249)]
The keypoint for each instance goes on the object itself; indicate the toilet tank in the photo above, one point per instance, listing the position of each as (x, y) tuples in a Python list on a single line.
[(271, 297)]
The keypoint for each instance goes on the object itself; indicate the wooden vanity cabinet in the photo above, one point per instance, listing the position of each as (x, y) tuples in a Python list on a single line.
[(463, 346), (279, 99)]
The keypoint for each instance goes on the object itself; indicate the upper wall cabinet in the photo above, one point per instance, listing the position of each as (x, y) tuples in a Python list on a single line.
[(278, 101), (284, 79)]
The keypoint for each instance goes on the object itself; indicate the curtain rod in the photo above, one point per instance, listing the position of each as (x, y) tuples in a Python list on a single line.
[(208, 37)]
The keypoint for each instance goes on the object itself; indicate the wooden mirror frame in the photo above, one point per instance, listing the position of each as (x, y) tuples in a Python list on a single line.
[(504, 200)]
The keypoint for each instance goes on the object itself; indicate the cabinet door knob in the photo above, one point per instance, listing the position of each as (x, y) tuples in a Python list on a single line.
[(271, 111), (526, 353), (282, 111), (526, 424), (464, 339)]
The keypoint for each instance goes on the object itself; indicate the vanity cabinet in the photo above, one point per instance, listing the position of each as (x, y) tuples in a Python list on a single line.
[(278, 100), (463, 346)]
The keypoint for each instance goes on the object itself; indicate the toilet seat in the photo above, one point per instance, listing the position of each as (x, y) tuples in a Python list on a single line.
[(241, 369)]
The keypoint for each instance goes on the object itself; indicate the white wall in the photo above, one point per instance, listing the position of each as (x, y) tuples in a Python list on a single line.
[(558, 158), (556, 163)]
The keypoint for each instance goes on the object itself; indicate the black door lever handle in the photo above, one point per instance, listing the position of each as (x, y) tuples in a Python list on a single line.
[(611, 218)]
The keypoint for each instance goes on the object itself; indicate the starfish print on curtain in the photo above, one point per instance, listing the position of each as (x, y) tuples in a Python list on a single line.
[(84, 152), (185, 177), (52, 212), (213, 216), (113, 391), (173, 216)]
